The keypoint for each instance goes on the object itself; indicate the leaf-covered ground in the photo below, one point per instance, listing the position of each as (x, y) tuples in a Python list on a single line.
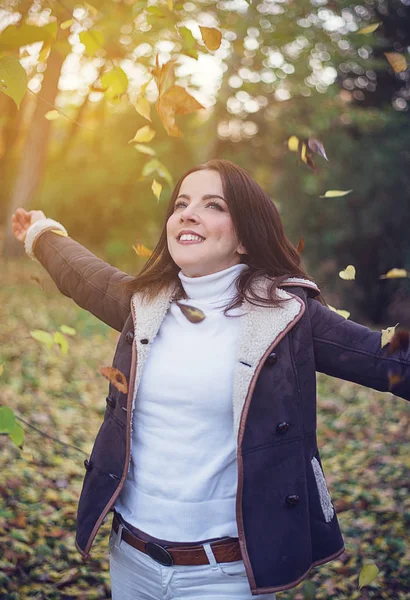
[(363, 437)]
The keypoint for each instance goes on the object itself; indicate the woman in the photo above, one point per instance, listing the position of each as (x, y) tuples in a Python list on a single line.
[(210, 460)]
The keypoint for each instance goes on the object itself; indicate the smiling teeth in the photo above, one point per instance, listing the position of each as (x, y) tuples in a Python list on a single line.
[(189, 237)]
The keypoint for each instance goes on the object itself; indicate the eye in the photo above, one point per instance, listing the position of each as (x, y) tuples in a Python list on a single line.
[(218, 206)]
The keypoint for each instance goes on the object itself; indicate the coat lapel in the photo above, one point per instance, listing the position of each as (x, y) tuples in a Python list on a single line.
[(261, 328)]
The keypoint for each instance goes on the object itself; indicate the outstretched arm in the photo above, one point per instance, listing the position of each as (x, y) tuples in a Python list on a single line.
[(79, 274), (353, 352)]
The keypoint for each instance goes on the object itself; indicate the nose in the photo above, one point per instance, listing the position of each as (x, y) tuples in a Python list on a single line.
[(188, 215)]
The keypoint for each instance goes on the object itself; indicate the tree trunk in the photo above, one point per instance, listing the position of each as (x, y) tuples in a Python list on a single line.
[(30, 170)]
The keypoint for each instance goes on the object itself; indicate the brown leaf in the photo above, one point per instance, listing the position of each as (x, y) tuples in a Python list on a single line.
[(176, 101), (117, 378), (317, 146), (164, 76), (399, 341), (211, 37), (394, 379), (194, 315), (301, 245)]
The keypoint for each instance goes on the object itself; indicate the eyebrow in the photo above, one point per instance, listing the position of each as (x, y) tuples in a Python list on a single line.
[(204, 197)]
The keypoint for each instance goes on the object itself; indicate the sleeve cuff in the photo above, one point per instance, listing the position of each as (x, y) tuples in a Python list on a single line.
[(36, 229)]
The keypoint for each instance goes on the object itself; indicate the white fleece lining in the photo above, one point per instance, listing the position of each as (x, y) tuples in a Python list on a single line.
[(260, 326), (35, 230), (325, 499)]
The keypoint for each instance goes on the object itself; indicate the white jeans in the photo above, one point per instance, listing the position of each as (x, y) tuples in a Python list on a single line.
[(136, 576)]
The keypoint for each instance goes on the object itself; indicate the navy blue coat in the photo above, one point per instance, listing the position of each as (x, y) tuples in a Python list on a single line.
[(286, 519)]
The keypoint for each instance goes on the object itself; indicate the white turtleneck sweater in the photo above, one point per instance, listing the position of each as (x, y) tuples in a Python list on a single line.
[(182, 482)]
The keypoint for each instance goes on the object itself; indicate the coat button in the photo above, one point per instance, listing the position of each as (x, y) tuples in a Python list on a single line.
[(129, 336), (111, 401), (282, 427), (144, 341), (272, 358), (292, 499), (88, 465)]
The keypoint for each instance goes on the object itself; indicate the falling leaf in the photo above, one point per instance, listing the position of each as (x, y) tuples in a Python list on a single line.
[(170, 5), (144, 134), (317, 146), (176, 101), (68, 330), (114, 82), (1, 369), (194, 315), (142, 250), (211, 37), (59, 232), (348, 273), (13, 78), (52, 115), (67, 24), (61, 341), (143, 107), (92, 39), (293, 143), (115, 376), (369, 28), (156, 188), (7, 419), (343, 313), (387, 335), (394, 379), (301, 245), (335, 193), (394, 274), (42, 336), (92, 9), (399, 341), (145, 149), (17, 435), (367, 574), (164, 76), (397, 61)]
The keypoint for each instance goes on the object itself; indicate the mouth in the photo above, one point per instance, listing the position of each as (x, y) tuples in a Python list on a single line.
[(186, 242)]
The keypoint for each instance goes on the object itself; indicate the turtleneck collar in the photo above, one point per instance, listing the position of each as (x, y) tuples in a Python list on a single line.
[(216, 286)]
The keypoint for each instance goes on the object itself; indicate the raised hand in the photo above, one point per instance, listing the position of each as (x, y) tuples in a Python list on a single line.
[(21, 221)]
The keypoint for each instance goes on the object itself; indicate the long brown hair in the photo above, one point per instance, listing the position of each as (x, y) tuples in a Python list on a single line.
[(258, 227)]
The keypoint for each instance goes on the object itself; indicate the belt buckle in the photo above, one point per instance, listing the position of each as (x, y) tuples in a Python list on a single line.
[(159, 554)]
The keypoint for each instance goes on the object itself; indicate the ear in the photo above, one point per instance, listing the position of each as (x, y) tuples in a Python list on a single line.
[(241, 249)]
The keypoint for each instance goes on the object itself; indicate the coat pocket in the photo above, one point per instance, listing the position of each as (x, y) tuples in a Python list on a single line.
[(324, 496)]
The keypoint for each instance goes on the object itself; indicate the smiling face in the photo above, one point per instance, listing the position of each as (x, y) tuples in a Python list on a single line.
[(201, 208)]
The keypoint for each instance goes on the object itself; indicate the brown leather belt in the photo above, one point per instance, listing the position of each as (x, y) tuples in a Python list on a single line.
[(224, 550)]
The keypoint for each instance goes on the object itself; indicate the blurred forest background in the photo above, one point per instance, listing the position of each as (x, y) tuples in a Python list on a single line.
[(103, 106)]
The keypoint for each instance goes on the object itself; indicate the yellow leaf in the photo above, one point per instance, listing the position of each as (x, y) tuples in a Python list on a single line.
[(211, 37), (52, 115), (367, 574), (144, 134), (92, 9), (68, 330), (142, 106), (145, 149), (170, 5), (394, 274), (397, 61), (93, 40), (293, 143), (114, 82), (156, 188), (335, 193), (387, 335), (303, 153), (369, 28), (67, 24), (61, 341), (1, 369), (343, 313), (59, 232), (142, 250), (348, 273)]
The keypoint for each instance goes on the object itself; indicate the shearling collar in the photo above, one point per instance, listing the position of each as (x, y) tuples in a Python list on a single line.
[(261, 329)]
